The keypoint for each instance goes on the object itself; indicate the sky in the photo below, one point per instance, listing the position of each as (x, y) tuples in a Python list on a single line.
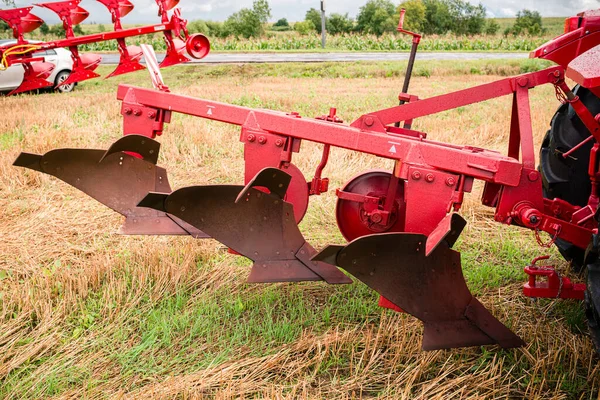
[(218, 10)]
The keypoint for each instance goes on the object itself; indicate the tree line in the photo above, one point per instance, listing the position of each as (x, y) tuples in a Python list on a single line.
[(376, 17)]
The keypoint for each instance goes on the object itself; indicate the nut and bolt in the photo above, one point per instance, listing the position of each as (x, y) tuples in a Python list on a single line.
[(416, 175), (376, 218), (429, 178), (262, 140), (369, 121), (128, 110), (279, 142), (450, 181), (137, 112), (151, 114), (251, 137)]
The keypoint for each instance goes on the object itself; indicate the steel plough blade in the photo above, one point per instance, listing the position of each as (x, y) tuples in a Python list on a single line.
[(254, 223), (430, 287), (118, 178)]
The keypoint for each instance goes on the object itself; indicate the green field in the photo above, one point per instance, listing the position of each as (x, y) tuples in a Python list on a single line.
[(87, 314)]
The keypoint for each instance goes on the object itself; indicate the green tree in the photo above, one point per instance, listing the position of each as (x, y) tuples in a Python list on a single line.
[(249, 22), (414, 20), (491, 27), (281, 25), (57, 30), (529, 22), (282, 22), (438, 19), (458, 16), (377, 17), (262, 10), (313, 15), (466, 17), (339, 23), (304, 27), (44, 28)]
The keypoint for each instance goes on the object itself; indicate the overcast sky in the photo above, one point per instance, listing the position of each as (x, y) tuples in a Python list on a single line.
[(294, 10)]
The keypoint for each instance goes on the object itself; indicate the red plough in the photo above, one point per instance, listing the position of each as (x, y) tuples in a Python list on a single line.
[(22, 21), (401, 224)]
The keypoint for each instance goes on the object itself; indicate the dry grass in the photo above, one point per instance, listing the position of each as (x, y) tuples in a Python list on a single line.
[(84, 313)]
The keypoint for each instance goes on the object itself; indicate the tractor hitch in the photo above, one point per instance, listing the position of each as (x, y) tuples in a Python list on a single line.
[(555, 285)]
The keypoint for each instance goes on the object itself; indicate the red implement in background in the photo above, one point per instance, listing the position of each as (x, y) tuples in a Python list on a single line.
[(178, 40)]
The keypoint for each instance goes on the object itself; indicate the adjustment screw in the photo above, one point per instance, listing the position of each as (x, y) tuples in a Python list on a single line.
[(262, 140), (429, 178), (416, 175), (279, 142), (251, 138), (450, 181)]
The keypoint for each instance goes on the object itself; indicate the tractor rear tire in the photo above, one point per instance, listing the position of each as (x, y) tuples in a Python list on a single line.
[(592, 293), (567, 178)]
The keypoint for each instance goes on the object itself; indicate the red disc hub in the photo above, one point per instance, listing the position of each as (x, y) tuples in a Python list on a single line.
[(360, 208)]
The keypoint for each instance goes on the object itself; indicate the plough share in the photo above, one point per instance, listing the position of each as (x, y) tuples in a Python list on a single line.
[(401, 224), (37, 70)]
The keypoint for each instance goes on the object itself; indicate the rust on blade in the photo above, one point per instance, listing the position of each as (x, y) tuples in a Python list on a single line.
[(147, 148), (273, 179), (260, 226), (431, 288), (449, 229), (120, 181)]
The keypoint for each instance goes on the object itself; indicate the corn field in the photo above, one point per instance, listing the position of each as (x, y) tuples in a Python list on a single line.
[(351, 42)]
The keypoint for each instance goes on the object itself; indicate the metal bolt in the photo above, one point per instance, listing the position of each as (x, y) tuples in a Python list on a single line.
[(369, 121), (376, 218), (128, 110), (137, 112), (251, 138), (262, 140), (151, 114), (523, 82), (416, 175), (450, 181), (429, 178), (533, 176), (279, 142), (534, 219)]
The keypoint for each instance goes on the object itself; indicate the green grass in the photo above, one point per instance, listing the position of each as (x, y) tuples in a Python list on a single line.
[(85, 314)]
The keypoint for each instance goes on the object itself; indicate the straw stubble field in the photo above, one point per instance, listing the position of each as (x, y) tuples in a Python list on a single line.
[(85, 313)]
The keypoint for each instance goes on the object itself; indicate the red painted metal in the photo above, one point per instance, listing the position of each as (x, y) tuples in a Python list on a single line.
[(554, 286), (581, 34), (402, 223), (585, 69), (70, 13)]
